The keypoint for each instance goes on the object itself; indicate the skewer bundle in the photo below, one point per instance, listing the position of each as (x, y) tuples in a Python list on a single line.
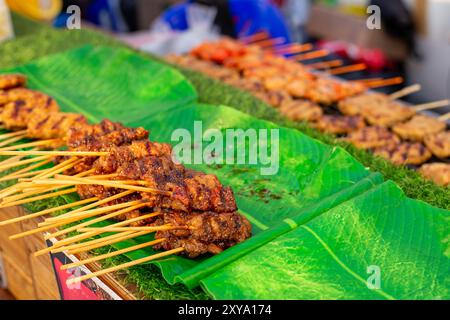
[(368, 120), (118, 174)]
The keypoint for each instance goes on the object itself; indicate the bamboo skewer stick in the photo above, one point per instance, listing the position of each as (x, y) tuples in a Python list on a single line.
[(97, 242), (27, 194), (23, 162), (91, 234), (54, 153), (47, 211), (405, 91), (63, 165), (93, 221), (42, 197), (85, 208), (21, 175), (66, 243), (432, 105), (116, 184), (255, 37), (26, 170), (348, 69), (384, 82), (325, 64), (112, 254), (14, 158), (95, 212), (124, 229), (117, 237), (12, 134), (11, 140), (311, 55), (102, 242), (124, 266), (291, 49), (269, 42), (444, 117), (31, 144), (58, 224)]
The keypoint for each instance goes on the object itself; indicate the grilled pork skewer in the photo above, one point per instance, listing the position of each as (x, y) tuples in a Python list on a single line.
[(372, 137), (404, 153), (419, 127), (437, 172), (439, 144)]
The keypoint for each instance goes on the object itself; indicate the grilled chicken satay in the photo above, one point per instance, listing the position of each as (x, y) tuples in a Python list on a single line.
[(353, 106), (53, 125), (9, 81), (327, 91), (339, 124), (404, 153), (437, 172), (371, 137), (301, 110), (16, 114), (419, 127), (439, 144), (387, 115)]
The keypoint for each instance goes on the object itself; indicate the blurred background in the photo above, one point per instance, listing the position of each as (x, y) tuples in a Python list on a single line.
[(413, 42)]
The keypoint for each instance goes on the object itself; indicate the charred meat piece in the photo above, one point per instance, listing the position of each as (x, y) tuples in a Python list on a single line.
[(404, 153), (419, 127), (53, 125), (103, 136), (9, 81), (439, 144), (339, 124), (274, 98), (387, 115), (152, 162), (371, 137), (301, 110), (298, 87), (328, 91), (356, 105), (437, 172), (206, 232), (16, 114)]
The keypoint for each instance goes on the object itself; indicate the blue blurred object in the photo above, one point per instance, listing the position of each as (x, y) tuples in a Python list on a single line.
[(249, 16)]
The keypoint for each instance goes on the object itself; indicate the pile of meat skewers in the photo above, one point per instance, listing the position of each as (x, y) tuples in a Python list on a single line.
[(191, 212), (369, 120)]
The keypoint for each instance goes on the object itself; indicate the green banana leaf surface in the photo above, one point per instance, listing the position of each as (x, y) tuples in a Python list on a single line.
[(324, 227)]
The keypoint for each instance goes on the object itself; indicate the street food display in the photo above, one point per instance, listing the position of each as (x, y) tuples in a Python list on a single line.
[(373, 121), (118, 174)]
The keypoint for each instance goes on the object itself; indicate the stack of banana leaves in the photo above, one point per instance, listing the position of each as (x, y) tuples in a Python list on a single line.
[(324, 225)]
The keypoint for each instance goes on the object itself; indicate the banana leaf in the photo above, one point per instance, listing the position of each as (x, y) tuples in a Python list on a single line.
[(317, 188)]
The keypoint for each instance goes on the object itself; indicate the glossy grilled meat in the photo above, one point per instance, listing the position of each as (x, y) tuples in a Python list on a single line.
[(207, 232), (152, 162), (23, 105), (50, 125), (372, 137), (339, 124), (419, 127), (9, 81), (405, 153), (356, 105), (103, 136), (439, 144), (437, 172), (387, 115), (301, 110)]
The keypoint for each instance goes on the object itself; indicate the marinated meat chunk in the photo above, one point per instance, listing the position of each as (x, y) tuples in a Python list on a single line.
[(404, 153)]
